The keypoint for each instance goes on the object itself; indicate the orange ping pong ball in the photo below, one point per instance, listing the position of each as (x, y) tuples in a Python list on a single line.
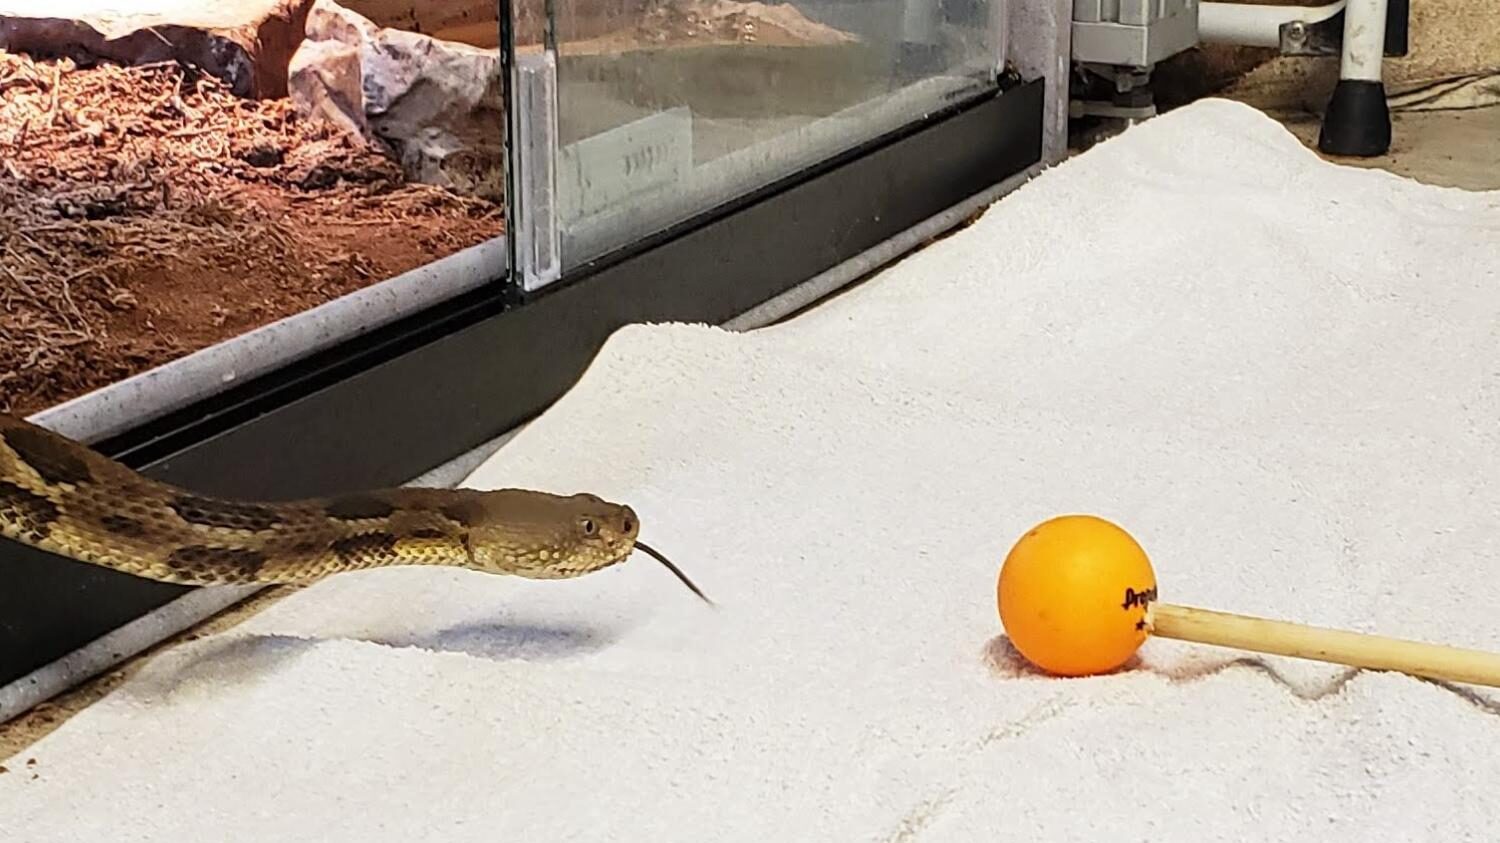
[(1073, 594)]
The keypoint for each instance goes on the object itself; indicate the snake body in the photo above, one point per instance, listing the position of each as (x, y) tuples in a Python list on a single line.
[(66, 498)]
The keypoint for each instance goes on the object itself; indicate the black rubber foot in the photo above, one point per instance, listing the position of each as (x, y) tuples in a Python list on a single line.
[(1358, 122)]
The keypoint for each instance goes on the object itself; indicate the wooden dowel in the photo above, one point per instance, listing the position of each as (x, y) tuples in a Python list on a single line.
[(1374, 652)]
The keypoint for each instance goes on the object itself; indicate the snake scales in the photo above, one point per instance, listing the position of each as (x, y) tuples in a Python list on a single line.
[(61, 496)]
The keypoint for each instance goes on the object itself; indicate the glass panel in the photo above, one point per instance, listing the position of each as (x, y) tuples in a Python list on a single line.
[(669, 107), (202, 169)]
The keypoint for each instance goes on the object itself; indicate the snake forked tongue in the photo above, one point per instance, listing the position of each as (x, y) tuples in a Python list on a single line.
[(674, 569)]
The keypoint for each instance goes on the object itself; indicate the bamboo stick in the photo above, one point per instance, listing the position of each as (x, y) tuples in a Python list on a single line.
[(1301, 641)]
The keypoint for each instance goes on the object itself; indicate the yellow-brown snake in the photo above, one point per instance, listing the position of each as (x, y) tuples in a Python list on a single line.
[(61, 496)]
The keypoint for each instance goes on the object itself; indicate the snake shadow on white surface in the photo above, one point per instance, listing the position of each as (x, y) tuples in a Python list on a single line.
[(237, 659)]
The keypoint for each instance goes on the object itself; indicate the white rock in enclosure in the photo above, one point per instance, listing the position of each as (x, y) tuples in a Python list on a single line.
[(245, 43), (325, 83), (436, 104)]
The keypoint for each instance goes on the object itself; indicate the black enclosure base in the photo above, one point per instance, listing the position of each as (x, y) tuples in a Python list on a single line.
[(384, 408)]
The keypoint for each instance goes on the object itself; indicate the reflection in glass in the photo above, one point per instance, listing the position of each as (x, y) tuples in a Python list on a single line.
[(209, 168), (669, 107)]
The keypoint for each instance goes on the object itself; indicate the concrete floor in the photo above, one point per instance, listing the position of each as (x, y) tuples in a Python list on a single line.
[(1447, 148), (1451, 149)]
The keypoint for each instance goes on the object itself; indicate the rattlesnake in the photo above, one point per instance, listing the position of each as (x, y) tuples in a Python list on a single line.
[(61, 496)]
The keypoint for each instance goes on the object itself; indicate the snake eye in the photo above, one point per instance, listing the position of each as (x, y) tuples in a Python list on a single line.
[(589, 527)]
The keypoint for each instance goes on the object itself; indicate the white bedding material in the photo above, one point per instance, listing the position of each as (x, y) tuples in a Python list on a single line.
[(1282, 376)]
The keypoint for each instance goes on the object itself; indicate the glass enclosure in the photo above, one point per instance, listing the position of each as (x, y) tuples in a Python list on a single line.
[(661, 109), (175, 173)]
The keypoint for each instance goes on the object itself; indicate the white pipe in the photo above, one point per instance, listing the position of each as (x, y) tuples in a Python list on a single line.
[(1249, 25), (1364, 40)]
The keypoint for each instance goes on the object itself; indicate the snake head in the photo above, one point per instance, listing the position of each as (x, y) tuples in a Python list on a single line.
[(543, 536), (549, 537)]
